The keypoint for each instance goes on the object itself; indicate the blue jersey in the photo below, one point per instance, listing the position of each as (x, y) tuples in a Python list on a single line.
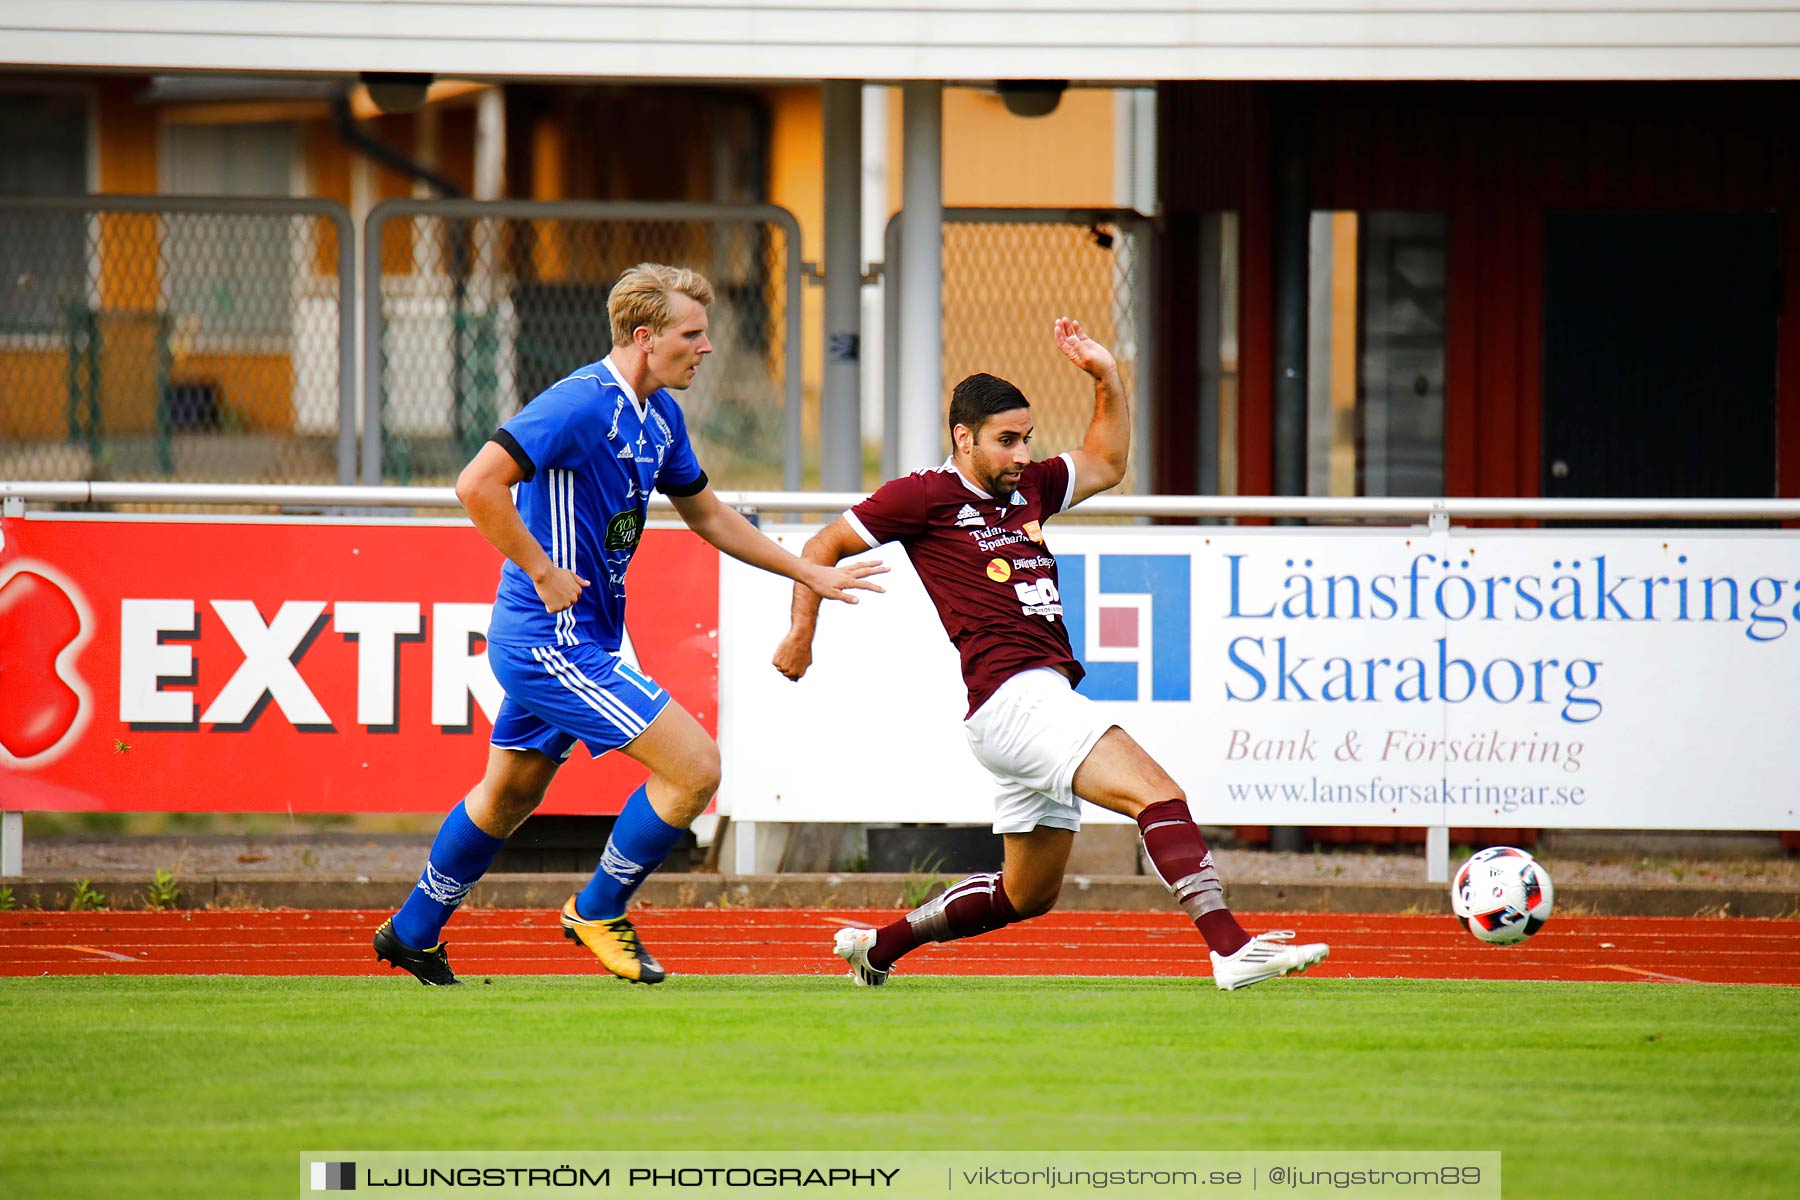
[(591, 452)]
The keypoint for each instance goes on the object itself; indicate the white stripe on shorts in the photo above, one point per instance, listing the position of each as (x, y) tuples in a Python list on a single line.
[(593, 697), (623, 712), (596, 697), (565, 673)]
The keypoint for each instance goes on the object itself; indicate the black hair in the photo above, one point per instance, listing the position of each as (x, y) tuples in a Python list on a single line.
[(982, 396)]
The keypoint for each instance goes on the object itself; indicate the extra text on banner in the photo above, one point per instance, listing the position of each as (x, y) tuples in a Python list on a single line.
[(280, 665)]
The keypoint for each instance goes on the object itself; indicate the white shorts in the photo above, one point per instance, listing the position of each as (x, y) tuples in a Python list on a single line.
[(1031, 735)]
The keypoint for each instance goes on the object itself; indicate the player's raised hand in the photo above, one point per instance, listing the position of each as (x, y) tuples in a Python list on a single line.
[(1081, 349), (834, 583), (559, 588)]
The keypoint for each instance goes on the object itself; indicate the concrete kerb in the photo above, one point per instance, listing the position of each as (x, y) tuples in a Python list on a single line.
[(1126, 893)]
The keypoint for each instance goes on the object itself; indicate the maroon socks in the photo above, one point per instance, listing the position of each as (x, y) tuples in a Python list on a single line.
[(969, 907), (978, 904), (1185, 866)]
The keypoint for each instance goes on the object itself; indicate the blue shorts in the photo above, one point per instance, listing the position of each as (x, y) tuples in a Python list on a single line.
[(558, 695)]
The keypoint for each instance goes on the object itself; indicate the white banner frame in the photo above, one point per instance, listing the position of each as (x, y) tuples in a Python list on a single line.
[(1566, 751)]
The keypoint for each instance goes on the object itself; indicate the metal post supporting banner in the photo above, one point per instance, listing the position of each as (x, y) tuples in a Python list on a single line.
[(743, 859), (12, 844), (1437, 854)]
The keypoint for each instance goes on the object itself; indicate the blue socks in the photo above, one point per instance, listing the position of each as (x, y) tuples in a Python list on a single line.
[(640, 841), (461, 855)]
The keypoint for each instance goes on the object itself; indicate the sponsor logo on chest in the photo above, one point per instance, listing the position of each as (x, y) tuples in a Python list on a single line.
[(623, 529)]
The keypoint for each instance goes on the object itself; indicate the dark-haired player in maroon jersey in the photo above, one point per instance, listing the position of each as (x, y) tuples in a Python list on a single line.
[(973, 529)]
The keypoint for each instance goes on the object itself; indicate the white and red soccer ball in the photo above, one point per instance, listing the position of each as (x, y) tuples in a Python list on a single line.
[(1502, 895)]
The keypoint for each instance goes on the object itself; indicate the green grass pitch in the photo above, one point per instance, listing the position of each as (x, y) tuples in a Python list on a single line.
[(211, 1086)]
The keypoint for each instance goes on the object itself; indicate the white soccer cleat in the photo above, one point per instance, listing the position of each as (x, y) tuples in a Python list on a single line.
[(853, 946), (1266, 956)]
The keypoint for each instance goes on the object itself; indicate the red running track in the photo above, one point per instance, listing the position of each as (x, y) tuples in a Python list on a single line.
[(797, 942)]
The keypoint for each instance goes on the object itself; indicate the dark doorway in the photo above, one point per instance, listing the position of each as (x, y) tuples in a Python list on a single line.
[(1659, 354)]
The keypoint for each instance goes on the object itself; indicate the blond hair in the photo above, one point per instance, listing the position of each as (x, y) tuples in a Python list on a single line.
[(641, 297)]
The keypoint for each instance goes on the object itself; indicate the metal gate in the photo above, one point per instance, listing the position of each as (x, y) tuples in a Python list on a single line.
[(477, 306), (177, 338), (1010, 272)]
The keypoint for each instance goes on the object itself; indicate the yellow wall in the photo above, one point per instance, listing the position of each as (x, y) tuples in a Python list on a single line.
[(127, 138), (255, 389), (128, 246), (33, 393), (994, 159), (797, 183)]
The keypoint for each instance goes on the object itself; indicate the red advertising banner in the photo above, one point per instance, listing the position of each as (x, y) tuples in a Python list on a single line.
[(229, 665)]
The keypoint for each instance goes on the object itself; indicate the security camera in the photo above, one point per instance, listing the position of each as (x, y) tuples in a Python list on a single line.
[(397, 91), (1031, 97)]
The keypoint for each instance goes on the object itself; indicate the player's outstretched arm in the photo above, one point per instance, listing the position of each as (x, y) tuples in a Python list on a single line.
[(726, 528), (1100, 463), (485, 490), (832, 544)]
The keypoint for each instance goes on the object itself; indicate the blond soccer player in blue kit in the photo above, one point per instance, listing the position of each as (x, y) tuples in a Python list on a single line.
[(562, 491)]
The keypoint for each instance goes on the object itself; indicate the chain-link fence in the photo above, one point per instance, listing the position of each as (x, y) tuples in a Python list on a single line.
[(164, 338), (1007, 275), (482, 305), (210, 339)]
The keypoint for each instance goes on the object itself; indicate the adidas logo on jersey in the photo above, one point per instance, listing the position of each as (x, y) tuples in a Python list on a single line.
[(968, 516), (625, 452)]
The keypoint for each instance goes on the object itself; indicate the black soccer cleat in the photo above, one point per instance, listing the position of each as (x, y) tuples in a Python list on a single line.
[(430, 967)]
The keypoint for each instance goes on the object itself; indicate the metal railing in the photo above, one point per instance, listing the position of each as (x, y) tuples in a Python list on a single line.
[(1423, 511), (177, 335), (474, 307)]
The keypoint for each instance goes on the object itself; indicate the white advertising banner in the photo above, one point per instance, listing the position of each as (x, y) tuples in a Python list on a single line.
[(1542, 678)]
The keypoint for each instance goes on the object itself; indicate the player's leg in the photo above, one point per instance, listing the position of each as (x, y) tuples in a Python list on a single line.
[(684, 773), (466, 843), (513, 787), (1118, 774), (1033, 874), (1030, 736), (1026, 886), (621, 709)]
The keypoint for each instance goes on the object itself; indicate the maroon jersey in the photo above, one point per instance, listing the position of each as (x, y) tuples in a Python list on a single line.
[(984, 564)]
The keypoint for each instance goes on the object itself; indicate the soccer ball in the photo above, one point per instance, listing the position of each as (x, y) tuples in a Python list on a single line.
[(1502, 895)]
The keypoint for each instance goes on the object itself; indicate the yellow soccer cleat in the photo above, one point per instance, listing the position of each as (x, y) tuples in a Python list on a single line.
[(615, 943)]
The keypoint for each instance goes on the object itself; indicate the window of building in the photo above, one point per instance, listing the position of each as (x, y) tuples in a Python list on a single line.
[(230, 273), (1217, 348), (1375, 377), (43, 255)]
